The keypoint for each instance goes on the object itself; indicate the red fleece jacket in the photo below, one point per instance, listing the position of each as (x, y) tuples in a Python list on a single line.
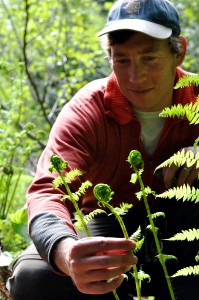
[(95, 133)]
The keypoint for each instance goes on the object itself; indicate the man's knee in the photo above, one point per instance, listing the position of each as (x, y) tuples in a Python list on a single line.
[(28, 279)]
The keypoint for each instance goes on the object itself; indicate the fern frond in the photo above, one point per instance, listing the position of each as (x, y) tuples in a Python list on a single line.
[(187, 80), (180, 158), (71, 175), (166, 257), (138, 238), (184, 193), (139, 195), (190, 110), (87, 218), (173, 111), (139, 245), (147, 190), (67, 197), (78, 223), (149, 227), (92, 214), (57, 182), (134, 178), (192, 270), (158, 214), (189, 235), (142, 276), (137, 235), (123, 209), (82, 189)]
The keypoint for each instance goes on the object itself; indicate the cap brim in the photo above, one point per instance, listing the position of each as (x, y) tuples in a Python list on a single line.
[(149, 28)]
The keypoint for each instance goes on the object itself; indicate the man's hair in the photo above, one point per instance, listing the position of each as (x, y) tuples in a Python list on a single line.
[(122, 36)]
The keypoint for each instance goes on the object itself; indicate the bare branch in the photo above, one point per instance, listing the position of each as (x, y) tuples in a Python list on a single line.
[(31, 80)]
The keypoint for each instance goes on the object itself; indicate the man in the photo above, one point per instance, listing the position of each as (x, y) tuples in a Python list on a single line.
[(95, 133)]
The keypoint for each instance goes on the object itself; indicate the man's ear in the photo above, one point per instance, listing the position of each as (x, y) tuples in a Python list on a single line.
[(181, 56)]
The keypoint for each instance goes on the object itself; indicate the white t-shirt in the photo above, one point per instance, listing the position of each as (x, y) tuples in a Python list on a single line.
[(152, 126)]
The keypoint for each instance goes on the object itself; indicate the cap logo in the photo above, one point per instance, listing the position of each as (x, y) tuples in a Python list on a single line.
[(134, 6)]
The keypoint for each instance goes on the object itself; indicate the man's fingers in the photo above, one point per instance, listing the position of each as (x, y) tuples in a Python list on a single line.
[(101, 275), (102, 287), (183, 175), (187, 175), (90, 246), (103, 262), (169, 174)]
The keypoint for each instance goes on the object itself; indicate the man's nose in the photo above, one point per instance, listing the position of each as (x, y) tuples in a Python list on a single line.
[(136, 72)]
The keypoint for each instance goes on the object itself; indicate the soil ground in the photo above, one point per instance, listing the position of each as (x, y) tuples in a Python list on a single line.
[(4, 274)]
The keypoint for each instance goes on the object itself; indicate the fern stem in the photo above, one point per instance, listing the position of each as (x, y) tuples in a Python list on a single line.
[(123, 227), (74, 203), (155, 234), (116, 295)]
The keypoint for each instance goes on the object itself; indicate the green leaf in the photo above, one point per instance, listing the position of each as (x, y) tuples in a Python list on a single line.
[(134, 178), (157, 215), (137, 235), (19, 223), (123, 209), (187, 80), (87, 218), (142, 276), (189, 235), (184, 193), (166, 257), (19, 217), (192, 270), (82, 189)]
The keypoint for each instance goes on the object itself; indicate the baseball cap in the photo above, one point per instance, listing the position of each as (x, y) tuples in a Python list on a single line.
[(156, 18)]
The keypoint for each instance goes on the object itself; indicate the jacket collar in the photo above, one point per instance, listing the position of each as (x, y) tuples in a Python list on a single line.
[(119, 108)]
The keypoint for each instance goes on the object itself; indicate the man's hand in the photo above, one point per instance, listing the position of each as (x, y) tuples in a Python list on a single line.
[(92, 261), (185, 175)]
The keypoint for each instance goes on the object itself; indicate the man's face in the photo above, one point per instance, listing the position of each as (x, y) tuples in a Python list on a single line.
[(145, 69)]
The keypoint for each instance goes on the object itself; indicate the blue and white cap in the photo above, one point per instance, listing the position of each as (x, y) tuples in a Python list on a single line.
[(156, 18)]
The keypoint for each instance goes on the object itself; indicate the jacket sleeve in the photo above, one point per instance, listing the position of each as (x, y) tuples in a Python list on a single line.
[(46, 230), (73, 138)]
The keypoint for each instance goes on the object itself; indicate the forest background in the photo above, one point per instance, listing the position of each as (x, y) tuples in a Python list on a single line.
[(49, 50)]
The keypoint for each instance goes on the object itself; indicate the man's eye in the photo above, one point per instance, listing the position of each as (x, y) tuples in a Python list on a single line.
[(150, 58), (121, 61)]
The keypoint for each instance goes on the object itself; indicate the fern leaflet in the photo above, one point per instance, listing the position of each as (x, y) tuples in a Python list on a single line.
[(92, 214), (189, 235), (192, 270), (71, 175), (57, 182), (139, 245), (184, 192), (190, 111), (187, 80), (82, 189), (158, 214), (87, 218), (180, 158), (147, 190), (142, 276), (123, 209), (72, 197), (136, 236), (166, 257)]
